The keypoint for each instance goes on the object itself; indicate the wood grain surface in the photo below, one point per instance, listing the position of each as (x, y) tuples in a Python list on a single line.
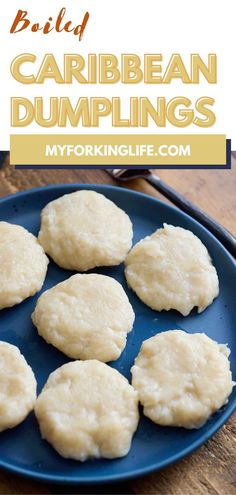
[(211, 470)]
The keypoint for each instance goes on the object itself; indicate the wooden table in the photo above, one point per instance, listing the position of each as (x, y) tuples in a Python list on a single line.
[(212, 469)]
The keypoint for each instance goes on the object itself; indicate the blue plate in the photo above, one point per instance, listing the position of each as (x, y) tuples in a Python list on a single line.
[(21, 449)]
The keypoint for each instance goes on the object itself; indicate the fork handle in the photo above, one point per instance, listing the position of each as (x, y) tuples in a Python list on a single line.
[(222, 234)]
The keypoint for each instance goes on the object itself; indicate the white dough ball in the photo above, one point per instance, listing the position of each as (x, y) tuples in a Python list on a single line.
[(87, 316), (17, 387), (171, 269), (23, 265), (88, 409), (83, 230), (181, 378)]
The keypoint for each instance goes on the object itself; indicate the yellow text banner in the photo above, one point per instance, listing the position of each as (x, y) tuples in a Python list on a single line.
[(118, 149)]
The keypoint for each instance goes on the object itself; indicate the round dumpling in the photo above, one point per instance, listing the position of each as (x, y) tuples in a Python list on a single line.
[(171, 269), (17, 387), (181, 378), (88, 409), (87, 316), (83, 230), (23, 265)]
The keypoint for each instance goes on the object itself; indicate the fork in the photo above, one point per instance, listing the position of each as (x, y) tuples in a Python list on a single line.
[(220, 232)]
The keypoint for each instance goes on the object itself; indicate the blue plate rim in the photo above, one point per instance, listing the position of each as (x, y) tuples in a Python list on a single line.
[(225, 415), (117, 188)]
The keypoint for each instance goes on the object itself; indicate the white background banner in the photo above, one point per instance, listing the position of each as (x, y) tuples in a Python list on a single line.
[(118, 27)]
